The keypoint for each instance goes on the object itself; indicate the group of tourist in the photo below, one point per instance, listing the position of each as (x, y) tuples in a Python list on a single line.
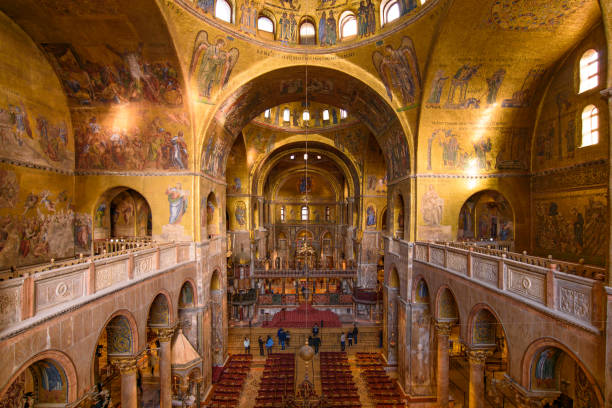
[(314, 341), (351, 335)]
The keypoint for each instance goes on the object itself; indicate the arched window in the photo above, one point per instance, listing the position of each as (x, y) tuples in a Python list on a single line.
[(589, 70), (267, 114), (282, 213), (389, 11), (590, 126), (326, 114), (286, 115), (348, 24), (307, 33), (327, 214), (343, 114), (304, 213), (265, 24), (223, 11)]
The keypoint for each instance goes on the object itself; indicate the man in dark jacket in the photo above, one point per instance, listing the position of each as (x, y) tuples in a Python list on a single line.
[(355, 333), (261, 346)]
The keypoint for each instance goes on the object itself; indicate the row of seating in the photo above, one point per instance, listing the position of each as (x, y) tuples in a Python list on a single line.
[(226, 393), (337, 383), (277, 381), (382, 390)]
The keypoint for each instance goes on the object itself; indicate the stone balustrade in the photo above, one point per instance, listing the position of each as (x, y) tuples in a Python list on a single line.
[(573, 268), (301, 273), (50, 289), (540, 282), (110, 245)]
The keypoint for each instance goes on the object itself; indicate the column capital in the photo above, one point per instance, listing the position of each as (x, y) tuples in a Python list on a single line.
[(479, 355), (164, 334), (443, 328), (126, 365)]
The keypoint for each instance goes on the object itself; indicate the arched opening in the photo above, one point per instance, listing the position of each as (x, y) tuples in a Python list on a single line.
[(122, 212), (555, 372), (116, 341), (348, 29), (487, 339), (390, 10), (307, 32), (399, 215), (43, 384), (589, 70), (448, 312), (486, 216), (212, 216), (223, 10), (158, 342), (590, 126)]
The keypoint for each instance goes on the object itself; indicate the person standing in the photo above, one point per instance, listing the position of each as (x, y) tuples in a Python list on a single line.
[(342, 341), (269, 344), (355, 332), (350, 338), (281, 337), (315, 330), (288, 338), (316, 342), (261, 346), (247, 345)]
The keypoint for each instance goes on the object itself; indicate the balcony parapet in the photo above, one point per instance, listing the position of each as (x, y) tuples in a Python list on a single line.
[(570, 291), (50, 289)]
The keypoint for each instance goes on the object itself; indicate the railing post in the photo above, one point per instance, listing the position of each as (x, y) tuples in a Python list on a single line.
[(500, 272), (157, 256), (445, 255), (176, 254), (27, 296), (550, 286), (91, 278), (598, 315), (469, 262), (428, 252), (131, 266)]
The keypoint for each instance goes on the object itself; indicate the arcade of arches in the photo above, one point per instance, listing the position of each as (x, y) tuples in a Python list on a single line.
[(426, 181)]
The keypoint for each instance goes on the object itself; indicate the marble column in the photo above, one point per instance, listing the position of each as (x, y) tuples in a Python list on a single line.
[(129, 392), (351, 201), (260, 207), (165, 366), (476, 359), (443, 330)]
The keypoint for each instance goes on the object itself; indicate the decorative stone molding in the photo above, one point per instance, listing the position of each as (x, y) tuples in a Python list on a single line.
[(478, 356), (126, 365), (443, 328), (164, 334)]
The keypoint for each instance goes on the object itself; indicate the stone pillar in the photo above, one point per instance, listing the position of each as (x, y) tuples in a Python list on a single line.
[(351, 201), (476, 359), (165, 366), (129, 393), (443, 330), (260, 213)]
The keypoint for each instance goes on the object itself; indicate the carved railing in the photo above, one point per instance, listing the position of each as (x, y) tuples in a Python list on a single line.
[(301, 273), (538, 281), (48, 288), (573, 268), (110, 245), (103, 248)]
